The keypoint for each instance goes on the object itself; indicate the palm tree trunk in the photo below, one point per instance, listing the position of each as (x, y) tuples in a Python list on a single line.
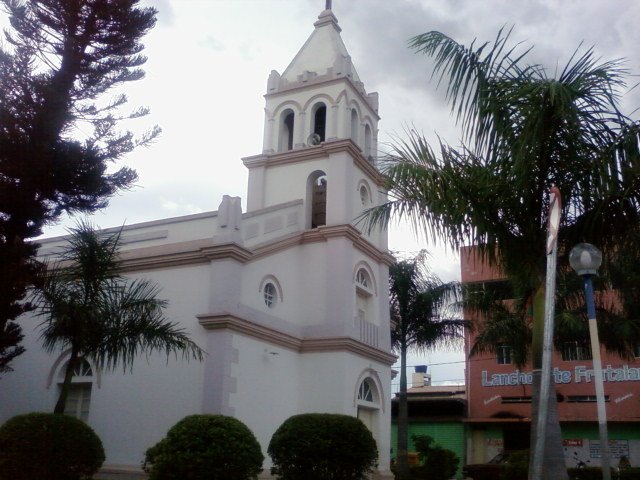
[(66, 384), (553, 464), (403, 420)]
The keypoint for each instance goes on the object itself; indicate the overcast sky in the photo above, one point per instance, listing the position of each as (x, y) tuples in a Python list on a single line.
[(208, 66)]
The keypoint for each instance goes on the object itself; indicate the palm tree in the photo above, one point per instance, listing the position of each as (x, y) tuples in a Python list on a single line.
[(524, 131), (97, 314), (420, 303)]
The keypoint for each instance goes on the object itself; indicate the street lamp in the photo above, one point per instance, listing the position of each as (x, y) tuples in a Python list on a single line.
[(585, 260)]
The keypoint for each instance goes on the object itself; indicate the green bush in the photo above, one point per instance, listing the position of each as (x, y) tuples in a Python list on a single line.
[(211, 447), (44, 445), (587, 473), (630, 474), (438, 463), (517, 466), (595, 473), (322, 446)]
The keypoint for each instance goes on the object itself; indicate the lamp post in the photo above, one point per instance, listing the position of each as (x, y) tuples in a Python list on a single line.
[(585, 260)]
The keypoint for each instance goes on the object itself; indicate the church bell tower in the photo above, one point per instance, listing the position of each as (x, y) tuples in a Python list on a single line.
[(322, 310)]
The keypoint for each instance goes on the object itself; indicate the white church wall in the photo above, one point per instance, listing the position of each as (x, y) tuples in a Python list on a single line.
[(289, 181), (129, 410), (24, 389), (266, 392), (331, 385), (272, 223), (132, 411), (301, 273)]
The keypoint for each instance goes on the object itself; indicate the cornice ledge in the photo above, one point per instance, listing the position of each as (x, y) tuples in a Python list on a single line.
[(311, 153), (332, 344), (227, 250), (359, 159), (321, 234), (159, 256), (224, 320), (179, 254)]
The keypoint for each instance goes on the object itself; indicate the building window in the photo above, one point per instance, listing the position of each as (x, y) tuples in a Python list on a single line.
[(285, 139), (572, 351), (368, 141), (363, 280), (496, 289), (365, 196), (520, 399), (504, 354), (354, 125), (317, 198), (78, 401), (364, 292), (365, 393), (79, 396), (320, 120), (270, 294), (585, 398)]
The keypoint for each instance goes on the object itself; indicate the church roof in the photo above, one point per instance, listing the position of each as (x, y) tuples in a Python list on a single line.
[(323, 52)]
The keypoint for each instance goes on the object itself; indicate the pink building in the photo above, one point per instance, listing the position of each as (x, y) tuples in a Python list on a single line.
[(499, 394)]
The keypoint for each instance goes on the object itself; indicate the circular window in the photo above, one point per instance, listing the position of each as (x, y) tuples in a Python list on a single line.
[(270, 294)]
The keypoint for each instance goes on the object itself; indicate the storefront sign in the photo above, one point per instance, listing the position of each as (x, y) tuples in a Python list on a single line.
[(617, 448), (572, 442), (581, 374)]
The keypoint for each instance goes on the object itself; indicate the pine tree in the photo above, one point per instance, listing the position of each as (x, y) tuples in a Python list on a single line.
[(59, 59)]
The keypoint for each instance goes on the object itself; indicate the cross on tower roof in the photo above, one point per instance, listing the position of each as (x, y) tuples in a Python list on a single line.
[(327, 5)]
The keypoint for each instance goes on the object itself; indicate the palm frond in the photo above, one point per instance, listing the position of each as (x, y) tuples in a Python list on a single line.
[(87, 305)]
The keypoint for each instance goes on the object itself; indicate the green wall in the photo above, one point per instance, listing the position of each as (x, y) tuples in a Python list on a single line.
[(449, 435)]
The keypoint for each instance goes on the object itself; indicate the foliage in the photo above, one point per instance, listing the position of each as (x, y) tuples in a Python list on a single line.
[(629, 474), (524, 131), (517, 466), (97, 314), (201, 447), (43, 445), (586, 473), (58, 132), (322, 446), (438, 463), (421, 315)]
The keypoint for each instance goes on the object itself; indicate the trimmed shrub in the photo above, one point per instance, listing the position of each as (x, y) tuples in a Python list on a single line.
[(630, 474), (46, 445), (517, 466), (587, 473), (438, 463), (322, 446), (205, 447)]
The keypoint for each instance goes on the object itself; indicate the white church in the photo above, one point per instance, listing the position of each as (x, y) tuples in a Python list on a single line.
[(289, 298)]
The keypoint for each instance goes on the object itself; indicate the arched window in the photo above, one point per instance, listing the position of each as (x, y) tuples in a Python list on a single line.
[(368, 154), (285, 139), (79, 396), (320, 120), (364, 292), (365, 392), (317, 199), (354, 125), (270, 294), (368, 405), (363, 281), (365, 195)]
